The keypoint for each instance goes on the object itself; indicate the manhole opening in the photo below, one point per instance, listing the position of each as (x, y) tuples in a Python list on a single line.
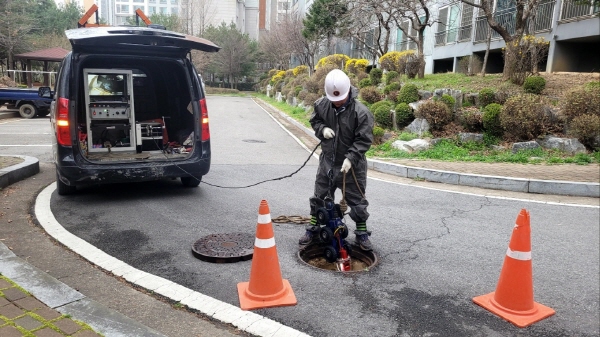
[(224, 248), (361, 261)]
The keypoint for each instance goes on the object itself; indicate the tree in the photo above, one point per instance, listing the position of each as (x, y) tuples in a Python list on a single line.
[(170, 21), (237, 55), (524, 11), (196, 15), (16, 25), (323, 20)]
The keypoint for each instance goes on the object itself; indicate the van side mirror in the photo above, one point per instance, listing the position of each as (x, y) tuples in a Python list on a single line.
[(45, 92)]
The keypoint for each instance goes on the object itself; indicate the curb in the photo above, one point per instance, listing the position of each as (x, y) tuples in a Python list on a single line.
[(11, 174), (552, 187), (66, 300)]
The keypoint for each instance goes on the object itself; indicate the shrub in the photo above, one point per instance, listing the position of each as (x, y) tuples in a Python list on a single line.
[(297, 90), (370, 94), (471, 119), (354, 66), (365, 82), (581, 101), (375, 75), (391, 76), (449, 101), (413, 65), (382, 114), (311, 98), (523, 117), (463, 65), (486, 96), (378, 133), (301, 69), (302, 95), (436, 113), (408, 94), (337, 60), (395, 86), (534, 85), (397, 60), (404, 115), (586, 128), (593, 85), (393, 95), (491, 119)]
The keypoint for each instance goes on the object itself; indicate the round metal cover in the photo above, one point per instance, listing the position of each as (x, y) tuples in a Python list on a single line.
[(253, 141), (224, 248)]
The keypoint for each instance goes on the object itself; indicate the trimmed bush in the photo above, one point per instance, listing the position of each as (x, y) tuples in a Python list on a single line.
[(486, 96), (383, 115), (378, 133), (581, 101), (395, 86), (390, 76), (523, 117), (491, 119), (370, 94), (449, 101), (404, 115), (534, 85), (393, 96), (586, 128), (408, 94), (470, 119), (311, 98), (365, 82), (375, 75), (436, 113)]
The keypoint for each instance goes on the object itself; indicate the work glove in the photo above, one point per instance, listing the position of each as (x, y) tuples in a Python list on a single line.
[(328, 133), (346, 165)]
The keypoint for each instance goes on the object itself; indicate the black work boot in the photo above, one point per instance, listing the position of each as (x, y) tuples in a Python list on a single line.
[(311, 232), (362, 240)]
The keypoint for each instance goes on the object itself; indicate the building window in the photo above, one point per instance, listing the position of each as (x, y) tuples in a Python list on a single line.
[(138, 1), (136, 7), (174, 10), (163, 2), (163, 10), (173, 2), (151, 10), (151, 1), (122, 9)]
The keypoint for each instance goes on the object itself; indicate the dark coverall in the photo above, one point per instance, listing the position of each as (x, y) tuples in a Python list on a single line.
[(353, 127)]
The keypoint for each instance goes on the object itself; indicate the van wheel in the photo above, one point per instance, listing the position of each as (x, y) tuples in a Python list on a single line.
[(64, 189), (191, 181), (27, 110)]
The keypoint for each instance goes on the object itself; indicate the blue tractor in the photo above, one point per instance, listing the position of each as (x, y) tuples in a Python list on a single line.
[(333, 234)]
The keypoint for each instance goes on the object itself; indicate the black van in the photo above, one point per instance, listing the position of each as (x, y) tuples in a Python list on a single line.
[(129, 106)]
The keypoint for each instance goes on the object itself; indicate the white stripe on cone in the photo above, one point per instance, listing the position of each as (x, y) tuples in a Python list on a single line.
[(264, 219), (264, 243), (523, 256)]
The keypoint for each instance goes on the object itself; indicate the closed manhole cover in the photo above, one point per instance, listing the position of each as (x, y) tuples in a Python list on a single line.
[(361, 261), (224, 248), (253, 141)]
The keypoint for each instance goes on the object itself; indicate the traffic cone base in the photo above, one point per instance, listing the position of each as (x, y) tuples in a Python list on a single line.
[(519, 318), (249, 301)]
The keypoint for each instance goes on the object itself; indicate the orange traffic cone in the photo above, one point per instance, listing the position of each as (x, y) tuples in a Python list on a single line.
[(513, 298), (266, 287)]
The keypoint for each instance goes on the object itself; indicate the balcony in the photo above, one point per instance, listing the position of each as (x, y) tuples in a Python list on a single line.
[(573, 12)]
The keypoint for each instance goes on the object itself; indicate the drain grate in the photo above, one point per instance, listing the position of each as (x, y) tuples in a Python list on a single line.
[(253, 141), (224, 248)]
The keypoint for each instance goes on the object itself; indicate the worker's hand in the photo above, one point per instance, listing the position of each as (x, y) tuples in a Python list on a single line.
[(346, 166), (328, 133)]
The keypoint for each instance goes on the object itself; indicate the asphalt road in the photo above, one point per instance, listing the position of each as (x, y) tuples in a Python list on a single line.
[(437, 249)]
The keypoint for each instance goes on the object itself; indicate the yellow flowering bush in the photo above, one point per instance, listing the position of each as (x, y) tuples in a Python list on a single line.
[(301, 69), (354, 66), (278, 76), (523, 56), (338, 60), (397, 60)]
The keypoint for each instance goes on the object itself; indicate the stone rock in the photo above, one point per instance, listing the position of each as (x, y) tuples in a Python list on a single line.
[(418, 126), (415, 105), (387, 136), (278, 96), (498, 148), (437, 140), (414, 145), (516, 147), (424, 94), (470, 137), (472, 98), (568, 145)]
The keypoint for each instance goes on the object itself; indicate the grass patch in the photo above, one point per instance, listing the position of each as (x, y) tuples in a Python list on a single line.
[(295, 112), (450, 150), (460, 82)]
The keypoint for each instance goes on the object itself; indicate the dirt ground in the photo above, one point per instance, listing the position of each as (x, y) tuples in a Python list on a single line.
[(557, 84)]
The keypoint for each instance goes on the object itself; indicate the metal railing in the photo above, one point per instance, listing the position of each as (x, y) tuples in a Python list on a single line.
[(506, 18), (543, 17), (571, 10), (406, 45), (464, 33)]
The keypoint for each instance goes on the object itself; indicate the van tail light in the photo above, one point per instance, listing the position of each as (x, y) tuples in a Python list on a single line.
[(63, 134), (204, 120)]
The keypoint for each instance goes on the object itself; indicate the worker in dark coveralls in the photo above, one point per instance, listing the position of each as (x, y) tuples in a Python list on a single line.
[(345, 127)]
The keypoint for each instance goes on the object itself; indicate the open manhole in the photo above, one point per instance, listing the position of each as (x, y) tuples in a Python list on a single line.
[(253, 141), (313, 255), (224, 248)]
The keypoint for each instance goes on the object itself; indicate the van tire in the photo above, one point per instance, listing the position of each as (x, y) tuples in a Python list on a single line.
[(191, 181), (64, 189), (28, 111)]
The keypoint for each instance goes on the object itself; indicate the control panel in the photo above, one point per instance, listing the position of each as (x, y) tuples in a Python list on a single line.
[(109, 111)]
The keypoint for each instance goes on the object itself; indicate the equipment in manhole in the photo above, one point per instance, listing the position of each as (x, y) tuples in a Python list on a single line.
[(334, 233), (224, 248), (362, 261)]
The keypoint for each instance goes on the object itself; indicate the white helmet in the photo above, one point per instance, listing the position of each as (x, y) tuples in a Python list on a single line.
[(337, 85)]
